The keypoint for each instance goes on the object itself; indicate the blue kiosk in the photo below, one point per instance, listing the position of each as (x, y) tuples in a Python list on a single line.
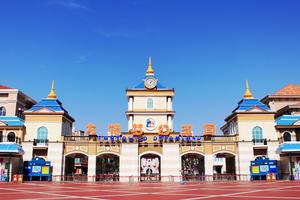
[(261, 166), (38, 168)]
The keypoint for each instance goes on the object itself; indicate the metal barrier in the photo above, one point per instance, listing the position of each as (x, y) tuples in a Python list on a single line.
[(134, 179)]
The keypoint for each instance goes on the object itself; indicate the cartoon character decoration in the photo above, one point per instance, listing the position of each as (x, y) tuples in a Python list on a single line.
[(164, 130), (137, 129), (150, 124), (149, 166), (91, 129), (186, 130), (114, 129), (209, 129)]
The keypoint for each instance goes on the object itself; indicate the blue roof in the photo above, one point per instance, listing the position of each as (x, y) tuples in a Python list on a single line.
[(12, 121), (246, 104), (51, 104), (287, 119), (289, 147), (8, 147), (141, 85)]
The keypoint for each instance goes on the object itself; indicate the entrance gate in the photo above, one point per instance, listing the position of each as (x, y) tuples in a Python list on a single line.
[(150, 168)]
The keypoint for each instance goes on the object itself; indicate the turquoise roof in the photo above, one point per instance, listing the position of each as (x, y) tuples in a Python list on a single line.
[(246, 104), (287, 119), (289, 147), (8, 147), (12, 120), (51, 104)]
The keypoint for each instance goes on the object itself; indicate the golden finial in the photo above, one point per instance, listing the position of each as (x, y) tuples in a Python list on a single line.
[(149, 70), (248, 94), (52, 94)]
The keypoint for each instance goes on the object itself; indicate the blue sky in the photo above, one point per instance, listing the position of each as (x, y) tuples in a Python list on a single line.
[(95, 49)]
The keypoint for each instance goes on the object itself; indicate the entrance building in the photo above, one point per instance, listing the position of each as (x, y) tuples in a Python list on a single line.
[(150, 149)]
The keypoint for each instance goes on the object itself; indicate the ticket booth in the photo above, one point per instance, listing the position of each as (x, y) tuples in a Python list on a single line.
[(262, 167), (37, 169)]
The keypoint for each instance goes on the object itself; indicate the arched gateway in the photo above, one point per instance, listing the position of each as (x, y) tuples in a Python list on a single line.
[(107, 167), (192, 166), (150, 169), (76, 167)]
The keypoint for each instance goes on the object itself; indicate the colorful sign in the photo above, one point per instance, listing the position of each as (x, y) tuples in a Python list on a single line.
[(45, 169), (150, 124), (255, 169), (36, 169), (264, 168), (186, 130)]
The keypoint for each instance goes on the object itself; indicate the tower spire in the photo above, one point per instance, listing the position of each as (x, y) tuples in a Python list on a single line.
[(52, 94), (149, 70), (248, 94)]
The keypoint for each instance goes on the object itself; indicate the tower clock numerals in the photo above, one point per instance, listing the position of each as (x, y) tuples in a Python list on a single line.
[(150, 82)]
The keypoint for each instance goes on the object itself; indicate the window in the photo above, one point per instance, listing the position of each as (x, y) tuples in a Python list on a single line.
[(149, 103), (11, 137), (42, 135), (2, 111), (257, 134), (287, 137)]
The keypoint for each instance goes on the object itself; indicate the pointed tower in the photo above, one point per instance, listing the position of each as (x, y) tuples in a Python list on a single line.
[(254, 124), (149, 71), (46, 123), (248, 94), (150, 104), (52, 94)]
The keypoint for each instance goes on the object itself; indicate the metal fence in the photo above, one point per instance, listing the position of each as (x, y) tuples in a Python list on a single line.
[(133, 179)]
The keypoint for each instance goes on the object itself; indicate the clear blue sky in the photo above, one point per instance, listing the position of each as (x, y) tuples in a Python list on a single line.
[(95, 49)]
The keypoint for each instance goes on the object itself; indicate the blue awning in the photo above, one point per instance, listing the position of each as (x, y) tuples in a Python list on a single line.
[(289, 147), (11, 148)]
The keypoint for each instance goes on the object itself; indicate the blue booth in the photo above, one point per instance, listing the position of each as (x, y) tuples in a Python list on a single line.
[(38, 169), (261, 166)]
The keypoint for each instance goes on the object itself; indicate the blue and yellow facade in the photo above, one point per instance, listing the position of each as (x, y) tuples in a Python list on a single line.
[(150, 149)]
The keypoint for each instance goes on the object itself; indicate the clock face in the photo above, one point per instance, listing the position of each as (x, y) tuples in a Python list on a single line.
[(150, 83)]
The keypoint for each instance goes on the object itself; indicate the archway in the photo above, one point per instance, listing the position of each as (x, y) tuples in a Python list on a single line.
[(150, 167), (224, 166), (107, 167), (192, 166), (76, 167)]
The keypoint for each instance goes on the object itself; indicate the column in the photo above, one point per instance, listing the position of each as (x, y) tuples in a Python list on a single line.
[(170, 124), (130, 104), (245, 153), (208, 163), (130, 122), (91, 168), (169, 104), (170, 163), (28, 148), (129, 162), (55, 156)]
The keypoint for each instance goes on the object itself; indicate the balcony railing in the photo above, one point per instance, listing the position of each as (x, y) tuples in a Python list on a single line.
[(260, 141), (4, 138), (40, 142)]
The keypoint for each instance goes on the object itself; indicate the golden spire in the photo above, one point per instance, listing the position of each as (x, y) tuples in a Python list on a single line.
[(52, 94), (149, 70), (248, 94)]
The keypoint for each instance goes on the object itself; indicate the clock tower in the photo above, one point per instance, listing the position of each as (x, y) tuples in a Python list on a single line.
[(150, 104)]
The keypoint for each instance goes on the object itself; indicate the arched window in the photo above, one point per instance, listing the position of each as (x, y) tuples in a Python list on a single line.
[(287, 137), (42, 135), (149, 103), (257, 134), (11, 137), (2, 111)]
